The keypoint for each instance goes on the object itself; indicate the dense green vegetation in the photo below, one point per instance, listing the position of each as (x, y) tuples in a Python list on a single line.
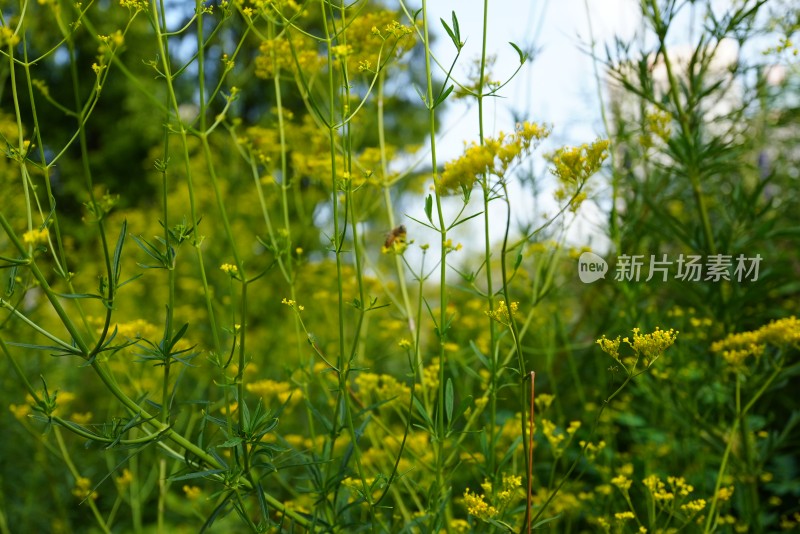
[(218, 314)]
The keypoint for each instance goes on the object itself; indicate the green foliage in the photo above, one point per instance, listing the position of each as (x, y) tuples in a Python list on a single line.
[(200, 219)]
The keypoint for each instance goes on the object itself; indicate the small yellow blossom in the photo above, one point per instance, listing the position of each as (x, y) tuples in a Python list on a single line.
[(292, 304), (573, 427), (125, 478), (230, 269), (7, 37), (646, 347), (573, 166), (192, 492), (657, 488), (503, 313), (694, 506), (725, 494), (622, 482), (544, 400), (494, 157), (478, 507), (83, 489), (35, 237), (736, 348), (20, 411)]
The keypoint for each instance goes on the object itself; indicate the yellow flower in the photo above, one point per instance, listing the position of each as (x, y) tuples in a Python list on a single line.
[(725, 494), (694, 506), (83, 489), (20, 411), (503, 313), (495, 157), (645, 346), (573, 166), (292, 304), (35, 237), (477, 506), (229, 269), (610, 346), (8, 37), (125, 478), (81, 418), (622, 482), (192, 492), (737, 347), (544, 400)]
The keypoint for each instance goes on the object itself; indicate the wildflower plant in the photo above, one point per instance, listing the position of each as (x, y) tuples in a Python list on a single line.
[(217, 311)]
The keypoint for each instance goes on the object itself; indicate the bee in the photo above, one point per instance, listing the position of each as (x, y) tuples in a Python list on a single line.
[(396, 237)]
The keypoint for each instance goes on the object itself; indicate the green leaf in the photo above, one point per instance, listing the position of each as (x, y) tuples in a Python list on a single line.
[(454, 32), (230, 442), (198, 474), (523, 57), (443, 96), (429, 207), (545, 521), (423, 413), (448, 400), (456, 28), (116, 268)]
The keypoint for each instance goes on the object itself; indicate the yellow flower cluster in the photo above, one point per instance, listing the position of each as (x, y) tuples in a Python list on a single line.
[(694, 506), (385, 388), (724, 494), (622, 482), (645, 346), (573, 166), (478, 507), (135, 5), (591, 450), (229, 268), (657, 488), (138, 328), (20, 411), (370, 34), (503, 313), (7, 37), (556, 440), (495, 157), (544, 401), (35, 237), (292, 304), (125, 478), (657, 123), (651, 346), (736, 348), (679, 486), (270, 389), (192, 492), (83, 489), (430, 374), (280, 54), (501, 497)]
